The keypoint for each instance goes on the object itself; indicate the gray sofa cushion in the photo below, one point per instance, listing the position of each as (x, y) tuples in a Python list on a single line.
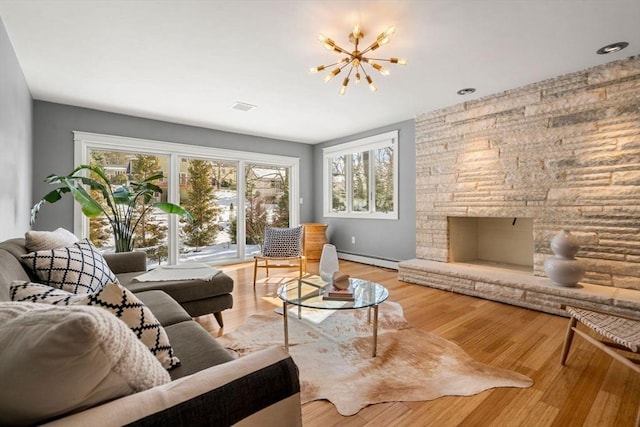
[(208, 352), (165, 308), (197, 289), (10, 267)]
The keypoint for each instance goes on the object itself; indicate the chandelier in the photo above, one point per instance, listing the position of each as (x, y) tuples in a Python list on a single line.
[(356, 58)]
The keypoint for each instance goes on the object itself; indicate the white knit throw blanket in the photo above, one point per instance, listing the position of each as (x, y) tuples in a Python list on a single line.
[(186, 271)]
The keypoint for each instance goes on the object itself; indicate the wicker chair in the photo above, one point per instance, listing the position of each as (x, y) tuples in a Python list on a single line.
[(622, 336), (282, 248)]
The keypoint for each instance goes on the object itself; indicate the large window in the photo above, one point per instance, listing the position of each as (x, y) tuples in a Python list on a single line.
[(266, 202), (360, 178), (209, 191), (209, 182)]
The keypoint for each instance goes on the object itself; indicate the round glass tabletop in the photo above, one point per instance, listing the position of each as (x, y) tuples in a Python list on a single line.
[(313, 292)]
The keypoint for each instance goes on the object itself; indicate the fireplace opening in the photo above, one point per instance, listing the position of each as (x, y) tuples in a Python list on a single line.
[(504, 242)]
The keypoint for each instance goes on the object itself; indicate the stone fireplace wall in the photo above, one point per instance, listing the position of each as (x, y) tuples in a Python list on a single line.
[(564, 151)]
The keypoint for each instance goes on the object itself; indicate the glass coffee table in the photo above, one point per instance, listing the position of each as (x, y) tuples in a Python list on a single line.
[(311, 292)]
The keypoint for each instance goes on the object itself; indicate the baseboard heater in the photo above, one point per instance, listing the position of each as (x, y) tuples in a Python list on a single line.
[(368, 259)]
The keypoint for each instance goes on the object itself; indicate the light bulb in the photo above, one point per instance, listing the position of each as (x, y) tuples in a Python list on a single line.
[(357, 78), (390, 31), (323, 38), (316, 69), (401, 61), (371, 85), (380, 68), (385, 36), (332, 74), (356, 31), (343, 88)]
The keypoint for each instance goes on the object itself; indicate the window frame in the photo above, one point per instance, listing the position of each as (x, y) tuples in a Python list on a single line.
[(375, 142), (86, 141)]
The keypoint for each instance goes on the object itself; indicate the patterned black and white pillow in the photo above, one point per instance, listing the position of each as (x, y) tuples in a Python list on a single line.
[(78, 268), (114, 298), (36, 292), (282, 242)]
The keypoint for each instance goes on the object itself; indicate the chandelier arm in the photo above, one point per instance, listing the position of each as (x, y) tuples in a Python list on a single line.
[(363, 70), (373, 46), (324, 67), (348, 63), (350, 71), (342, 50), (377, 59), (368, 49), (392, 60), (336, 63)]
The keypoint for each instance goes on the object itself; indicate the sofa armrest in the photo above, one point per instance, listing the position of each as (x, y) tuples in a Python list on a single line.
[(126, 262), (261, 388)]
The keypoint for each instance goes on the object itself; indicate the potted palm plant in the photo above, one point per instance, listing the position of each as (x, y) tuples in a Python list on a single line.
[(124, 206)]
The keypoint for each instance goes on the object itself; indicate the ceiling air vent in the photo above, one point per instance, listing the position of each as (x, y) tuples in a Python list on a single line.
[(242, 106)]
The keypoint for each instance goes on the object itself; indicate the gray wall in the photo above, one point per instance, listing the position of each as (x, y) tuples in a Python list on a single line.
[(387, 239), (15, 143), (53, 144)]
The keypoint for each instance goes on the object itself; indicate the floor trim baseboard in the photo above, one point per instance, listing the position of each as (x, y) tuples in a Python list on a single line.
[(379, 262)]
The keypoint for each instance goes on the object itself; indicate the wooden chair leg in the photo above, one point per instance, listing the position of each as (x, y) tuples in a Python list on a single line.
[(567, 340), (218, 317), (255, 271)]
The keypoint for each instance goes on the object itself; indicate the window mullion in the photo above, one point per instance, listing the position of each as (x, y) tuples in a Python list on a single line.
[(372, 182), (349, 178), (173, 196)]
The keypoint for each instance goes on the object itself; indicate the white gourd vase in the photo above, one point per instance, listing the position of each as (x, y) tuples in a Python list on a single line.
[(328, 262), (563, 269)]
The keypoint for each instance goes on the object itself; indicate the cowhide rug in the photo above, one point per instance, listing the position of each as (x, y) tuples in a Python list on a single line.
[(335, 363)]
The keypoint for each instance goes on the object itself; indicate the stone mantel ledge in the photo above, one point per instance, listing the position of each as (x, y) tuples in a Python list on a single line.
[(517, 287)]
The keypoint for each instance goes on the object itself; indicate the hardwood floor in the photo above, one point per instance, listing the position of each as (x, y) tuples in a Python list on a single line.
[(591, 390)]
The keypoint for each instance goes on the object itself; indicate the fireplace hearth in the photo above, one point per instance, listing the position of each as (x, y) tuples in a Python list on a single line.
[(558, 154)]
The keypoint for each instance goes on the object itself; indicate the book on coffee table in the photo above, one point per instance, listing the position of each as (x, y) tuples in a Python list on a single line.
[(336, 294)]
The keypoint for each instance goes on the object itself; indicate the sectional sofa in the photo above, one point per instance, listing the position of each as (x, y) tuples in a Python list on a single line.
[(210, 386)]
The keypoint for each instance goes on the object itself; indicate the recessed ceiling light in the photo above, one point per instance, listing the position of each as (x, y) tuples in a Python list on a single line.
[(612, 48), (466, 91), (242, 106)]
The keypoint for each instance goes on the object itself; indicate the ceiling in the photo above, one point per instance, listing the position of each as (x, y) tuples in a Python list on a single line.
[(189, 61)]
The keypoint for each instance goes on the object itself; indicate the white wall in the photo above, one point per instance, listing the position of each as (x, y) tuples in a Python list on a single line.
[(15, 143)]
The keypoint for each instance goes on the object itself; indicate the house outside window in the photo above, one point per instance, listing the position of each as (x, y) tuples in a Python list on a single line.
[(360, 178)]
